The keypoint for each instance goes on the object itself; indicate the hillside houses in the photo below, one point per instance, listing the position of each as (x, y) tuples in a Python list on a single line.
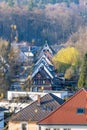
[(43, 71), (42, 74), (37, 71)]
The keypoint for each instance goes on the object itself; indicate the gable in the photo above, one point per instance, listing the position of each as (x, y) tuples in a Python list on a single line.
[(45, 60), (40, 68), (67, 113), (41, 74)]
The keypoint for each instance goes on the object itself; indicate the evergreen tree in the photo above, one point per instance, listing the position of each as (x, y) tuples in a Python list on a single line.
[(82, 82)]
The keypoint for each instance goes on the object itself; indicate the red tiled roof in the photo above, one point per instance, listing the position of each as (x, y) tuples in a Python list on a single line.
[(67, 113)]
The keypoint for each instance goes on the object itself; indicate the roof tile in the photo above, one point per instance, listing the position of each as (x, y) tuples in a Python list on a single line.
[(35, 112), (67, 113)]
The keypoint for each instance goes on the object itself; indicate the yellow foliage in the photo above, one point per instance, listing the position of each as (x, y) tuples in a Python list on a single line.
[(3, 43), (69, 73), (1, 95), (3, 47), (67, 55), (14, 52)]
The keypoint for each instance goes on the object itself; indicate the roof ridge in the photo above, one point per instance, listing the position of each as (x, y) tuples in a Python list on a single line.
[(34, 102), (15, 114), (82, 89)]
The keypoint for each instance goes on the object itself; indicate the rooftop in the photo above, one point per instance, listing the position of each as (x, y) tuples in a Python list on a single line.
[(35, 111), (73, 111)]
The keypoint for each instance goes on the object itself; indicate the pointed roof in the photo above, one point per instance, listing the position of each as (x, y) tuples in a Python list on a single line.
[(45, 49), (40, 67), (35, 112), (44, 59), (73, 111)]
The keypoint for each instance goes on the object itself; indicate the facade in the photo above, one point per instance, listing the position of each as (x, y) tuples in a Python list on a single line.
[(61, 127), (33, 95), (27, 118), (42, 75), (72, 115), (42, 78), (43, 71)]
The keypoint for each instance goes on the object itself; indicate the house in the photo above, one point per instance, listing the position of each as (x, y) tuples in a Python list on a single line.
[(43, 73), (42, 76), (27, 118), (72, 115), (30, 55)]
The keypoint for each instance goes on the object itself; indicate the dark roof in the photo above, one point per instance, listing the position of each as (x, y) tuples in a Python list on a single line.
[(44, 70), (49, 67), (35, 112), (45, 48), (3, 109), (73, 111)]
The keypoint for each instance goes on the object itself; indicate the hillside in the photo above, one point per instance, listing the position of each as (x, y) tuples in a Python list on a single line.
[(54, 23)]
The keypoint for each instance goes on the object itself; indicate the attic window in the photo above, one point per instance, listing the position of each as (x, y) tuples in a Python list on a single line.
[(80, 110)]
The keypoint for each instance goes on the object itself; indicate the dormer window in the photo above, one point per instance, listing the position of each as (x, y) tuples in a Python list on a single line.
[(80, 110)]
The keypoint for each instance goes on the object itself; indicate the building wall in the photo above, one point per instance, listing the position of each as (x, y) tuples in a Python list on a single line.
[(52, 127), (14, 126), (17, 126), (33, 95), (32, 127)]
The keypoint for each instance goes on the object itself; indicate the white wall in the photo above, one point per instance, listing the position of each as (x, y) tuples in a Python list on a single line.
[(61, 127), (33, 95)]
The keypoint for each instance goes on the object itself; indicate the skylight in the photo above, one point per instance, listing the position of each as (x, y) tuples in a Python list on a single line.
[(80, 110)]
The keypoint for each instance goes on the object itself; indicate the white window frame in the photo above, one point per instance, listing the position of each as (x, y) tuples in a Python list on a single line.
[(24, 123)]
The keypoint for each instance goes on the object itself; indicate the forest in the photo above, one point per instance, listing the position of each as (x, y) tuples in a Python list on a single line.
[(55, 22), (59, 22)]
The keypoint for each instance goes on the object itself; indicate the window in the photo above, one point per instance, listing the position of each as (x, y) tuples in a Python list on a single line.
[(24, 126), (80, 110), (43, 81), (47, 129)]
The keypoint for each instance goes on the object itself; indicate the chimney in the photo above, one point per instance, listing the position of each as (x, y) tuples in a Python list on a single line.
[(38, 100)]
